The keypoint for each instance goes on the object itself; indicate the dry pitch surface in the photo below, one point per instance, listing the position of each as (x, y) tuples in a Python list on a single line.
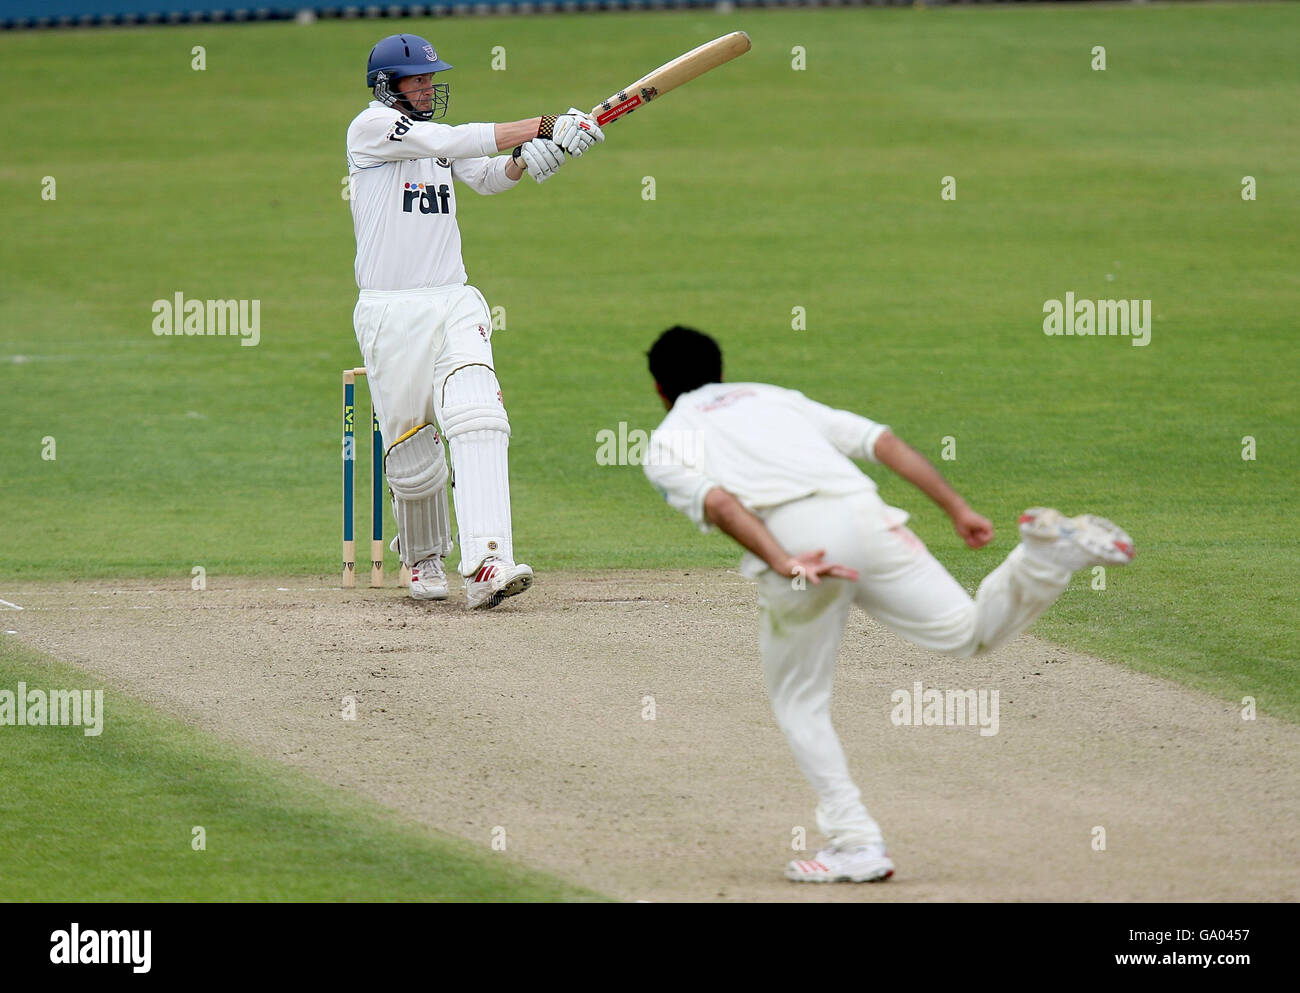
[(530, 718)]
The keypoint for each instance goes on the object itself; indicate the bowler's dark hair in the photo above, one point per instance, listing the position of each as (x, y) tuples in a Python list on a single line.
[(683, 359)]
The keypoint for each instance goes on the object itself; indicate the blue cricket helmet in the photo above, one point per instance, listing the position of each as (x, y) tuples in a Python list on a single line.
[(401, 55)]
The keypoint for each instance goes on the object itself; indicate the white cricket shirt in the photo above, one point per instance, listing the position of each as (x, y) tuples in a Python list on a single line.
[(404, 200), (763, 444)]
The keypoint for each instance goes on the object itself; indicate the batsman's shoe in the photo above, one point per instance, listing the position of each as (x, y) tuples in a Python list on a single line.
[(864, 864), (495, 580), (1074, 542), (429, 579)]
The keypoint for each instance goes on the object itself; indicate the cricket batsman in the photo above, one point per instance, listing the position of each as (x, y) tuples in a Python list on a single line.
[(773, 469), (425, 333)]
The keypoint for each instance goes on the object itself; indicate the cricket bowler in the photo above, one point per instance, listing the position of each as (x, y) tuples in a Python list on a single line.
[(425, 333), (773, 469)]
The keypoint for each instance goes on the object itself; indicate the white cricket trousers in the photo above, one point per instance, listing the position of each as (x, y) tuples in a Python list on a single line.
[(412, 343), (904, 587)]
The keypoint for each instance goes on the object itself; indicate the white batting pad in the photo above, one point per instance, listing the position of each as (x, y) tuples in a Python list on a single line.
[(477, 429), (417, 474)]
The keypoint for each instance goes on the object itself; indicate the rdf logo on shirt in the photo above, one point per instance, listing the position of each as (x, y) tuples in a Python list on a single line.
[(428, 198)]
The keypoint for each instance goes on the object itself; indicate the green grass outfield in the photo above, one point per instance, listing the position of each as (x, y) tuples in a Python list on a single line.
[(775, 189), (110, 818)]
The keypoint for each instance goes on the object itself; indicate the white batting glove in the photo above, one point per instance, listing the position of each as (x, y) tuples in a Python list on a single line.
[(542, 158), (576, 132)]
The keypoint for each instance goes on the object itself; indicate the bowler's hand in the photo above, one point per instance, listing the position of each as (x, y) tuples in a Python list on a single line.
[(973, 529), (810, 564)]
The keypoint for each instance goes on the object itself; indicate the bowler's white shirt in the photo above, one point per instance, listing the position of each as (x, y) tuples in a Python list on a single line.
[(763, 444), (403, 197)]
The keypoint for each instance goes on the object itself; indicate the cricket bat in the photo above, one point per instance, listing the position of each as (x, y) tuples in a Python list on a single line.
[(671, 75)]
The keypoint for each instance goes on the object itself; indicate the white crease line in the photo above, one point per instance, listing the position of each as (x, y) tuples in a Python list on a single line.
[(178, 590), (12, 606), (114, 606), (154, 606)]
